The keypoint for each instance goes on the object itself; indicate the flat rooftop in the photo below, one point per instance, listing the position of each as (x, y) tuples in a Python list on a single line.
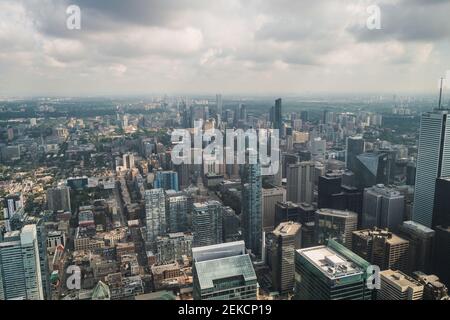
[(210, 270), (400, 280), (332, 264)]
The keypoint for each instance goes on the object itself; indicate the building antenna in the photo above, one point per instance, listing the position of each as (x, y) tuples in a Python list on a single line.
[(440, 95)]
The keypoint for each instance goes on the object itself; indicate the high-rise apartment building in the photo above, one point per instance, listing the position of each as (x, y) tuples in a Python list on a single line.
[(252, 221), (433, 161), (207, 223), (155, 214), (128, 158), (177, 210), (167, 180)]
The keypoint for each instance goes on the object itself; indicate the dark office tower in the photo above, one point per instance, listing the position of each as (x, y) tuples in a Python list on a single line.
[(433, 161), (355, 146), (421, 241), (185, 115), (411, 173), (383, 207), (381, 248), (282, 243), (277, 116), (330, 272), (307, 219), (286, 160), (304, 116), (335, 224), (330, 193), (184, 174), (371, 169), (441, 261), (207, 223), (59, 199), (252, 207), (441, 211), (231, 225), (286, 211)]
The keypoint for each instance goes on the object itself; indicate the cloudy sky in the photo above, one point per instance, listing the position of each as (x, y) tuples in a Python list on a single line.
[(228, 46)]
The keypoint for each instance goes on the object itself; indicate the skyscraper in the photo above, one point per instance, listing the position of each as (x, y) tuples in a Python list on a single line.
[(383, 207), (223, 272), (20, 272), (330, 272), (176, 211), (252, 221), (128, 159), (300, 182), (441, 211), (59, 199), (382, 248), (335, 224), (433, 161), (372, 168), (155, 214), (282, 243), (219, 108), (207, 223), (277, 116), (355, 146), (441, 261), (421, 241), (12, 205), (270, 198)]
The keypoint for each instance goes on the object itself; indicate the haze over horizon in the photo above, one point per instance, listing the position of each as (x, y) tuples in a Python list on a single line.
[(233, 47)]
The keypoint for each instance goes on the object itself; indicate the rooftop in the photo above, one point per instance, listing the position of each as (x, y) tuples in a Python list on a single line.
[(332, 264), (390, 237), (233, 266), (400, 280), (287, 229)]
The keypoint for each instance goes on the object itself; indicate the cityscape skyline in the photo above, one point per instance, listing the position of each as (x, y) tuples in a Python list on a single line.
[(337, 190)]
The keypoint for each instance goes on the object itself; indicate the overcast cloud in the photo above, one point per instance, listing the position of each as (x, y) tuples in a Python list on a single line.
[(227, 46)]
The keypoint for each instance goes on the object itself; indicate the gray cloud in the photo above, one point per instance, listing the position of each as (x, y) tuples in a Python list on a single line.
[(416, 20), (222, 45)]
